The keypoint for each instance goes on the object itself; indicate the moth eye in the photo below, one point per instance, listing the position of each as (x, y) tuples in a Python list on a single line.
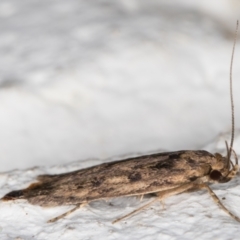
[(215, 175)]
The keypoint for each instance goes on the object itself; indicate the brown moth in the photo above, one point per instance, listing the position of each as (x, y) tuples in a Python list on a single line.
[(163, 174)]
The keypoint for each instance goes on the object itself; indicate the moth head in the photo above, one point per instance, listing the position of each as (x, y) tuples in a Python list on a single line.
[(224, 169)]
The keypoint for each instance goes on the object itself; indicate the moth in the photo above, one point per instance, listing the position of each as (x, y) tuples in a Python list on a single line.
[(162, 174)]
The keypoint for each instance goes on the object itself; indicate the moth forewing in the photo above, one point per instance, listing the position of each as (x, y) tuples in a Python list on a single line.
[(134, 176), (164, 174)]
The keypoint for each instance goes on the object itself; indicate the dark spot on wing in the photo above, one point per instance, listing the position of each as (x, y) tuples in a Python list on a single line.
[(175, 155), (157, 183), (13, 195), (191, 179), (71, 198), (168, 164), (134, 177), (96, 182), (191, 161)]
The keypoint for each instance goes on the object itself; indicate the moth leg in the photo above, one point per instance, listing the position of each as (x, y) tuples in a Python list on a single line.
[(160, 195), (218, 202), (163, 204), (136, 210), (67, 213)]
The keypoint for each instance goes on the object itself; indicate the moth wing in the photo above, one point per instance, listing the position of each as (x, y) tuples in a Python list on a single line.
[(134, 176)]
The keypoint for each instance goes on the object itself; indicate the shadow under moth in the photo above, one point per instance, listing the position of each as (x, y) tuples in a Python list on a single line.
[(162, 174)]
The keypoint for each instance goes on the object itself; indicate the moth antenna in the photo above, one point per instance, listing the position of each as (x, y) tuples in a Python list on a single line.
[(229, 160), (231, 93)]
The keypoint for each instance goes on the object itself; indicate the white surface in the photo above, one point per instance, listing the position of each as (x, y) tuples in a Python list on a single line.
[(96, 79)]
